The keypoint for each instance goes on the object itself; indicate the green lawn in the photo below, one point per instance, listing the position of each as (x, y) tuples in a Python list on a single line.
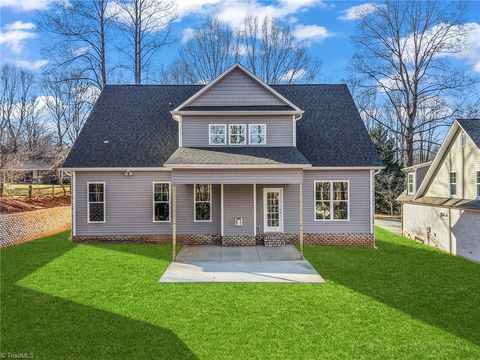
[(404, 300)]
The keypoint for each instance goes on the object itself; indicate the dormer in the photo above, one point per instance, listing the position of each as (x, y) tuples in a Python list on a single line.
[(237, 109)]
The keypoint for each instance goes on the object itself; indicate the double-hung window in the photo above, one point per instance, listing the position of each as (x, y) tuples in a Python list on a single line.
[(257, 134), (478, 184), (411, 183), (217, 134), (237, 134), (161, 201), (202, 202), (453, 183), (96, 202), (331, 200)]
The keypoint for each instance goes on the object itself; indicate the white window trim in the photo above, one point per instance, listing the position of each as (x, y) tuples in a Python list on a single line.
[(265, 134), (331, 200), (169, 201), (210, 134), (104, 202), (246, 134), (195, 201), (408, 183), (450, 184)]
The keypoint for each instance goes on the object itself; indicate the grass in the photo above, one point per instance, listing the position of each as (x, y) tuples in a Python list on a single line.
[(402, 301)]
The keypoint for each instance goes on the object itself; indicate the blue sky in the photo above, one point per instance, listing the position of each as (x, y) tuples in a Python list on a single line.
[(325, 26)]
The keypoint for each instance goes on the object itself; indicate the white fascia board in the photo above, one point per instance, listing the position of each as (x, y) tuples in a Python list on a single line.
[(118, 169), (437, 160), (178, 114), (346, 168), (233, 166)]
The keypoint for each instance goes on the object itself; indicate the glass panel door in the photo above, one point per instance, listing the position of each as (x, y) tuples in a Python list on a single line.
[(272, 204)]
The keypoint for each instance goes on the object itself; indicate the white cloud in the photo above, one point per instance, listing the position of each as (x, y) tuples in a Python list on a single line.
[(20, 25), (187, 34), (234, 11), (26, 5), (311, 33), (293, 75), (471, 53), (15, 34), (358, 11), (30, 65)]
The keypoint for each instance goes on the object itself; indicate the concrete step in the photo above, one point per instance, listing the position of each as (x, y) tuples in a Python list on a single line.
[(274, 240)]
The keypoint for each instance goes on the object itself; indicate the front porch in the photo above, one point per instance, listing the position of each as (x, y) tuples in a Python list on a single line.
[(239, 212)]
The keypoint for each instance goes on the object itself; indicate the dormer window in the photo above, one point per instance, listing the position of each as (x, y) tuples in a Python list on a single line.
[(257, 134), (217, 134), (411, 183), (237, 134)]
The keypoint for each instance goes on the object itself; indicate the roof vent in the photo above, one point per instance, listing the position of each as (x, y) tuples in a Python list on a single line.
[(106, 141)]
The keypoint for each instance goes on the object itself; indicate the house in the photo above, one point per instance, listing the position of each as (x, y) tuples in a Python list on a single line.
[(234, 162), (441, 205)]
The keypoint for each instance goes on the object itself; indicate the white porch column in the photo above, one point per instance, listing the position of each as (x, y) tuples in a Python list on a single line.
[(222, 232), (174, 222), (300, 219), (254, 209)]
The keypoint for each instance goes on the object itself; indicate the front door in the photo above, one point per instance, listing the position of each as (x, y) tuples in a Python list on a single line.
[(272, 209)]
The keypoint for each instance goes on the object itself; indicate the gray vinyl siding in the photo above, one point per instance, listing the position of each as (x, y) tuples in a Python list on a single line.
[(129, 207), (238, 176), (237, 89), (238, 202), (279, 128), (359, 221), (185, 212)]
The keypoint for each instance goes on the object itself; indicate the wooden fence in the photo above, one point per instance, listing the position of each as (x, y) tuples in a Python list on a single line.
[(33, 190)]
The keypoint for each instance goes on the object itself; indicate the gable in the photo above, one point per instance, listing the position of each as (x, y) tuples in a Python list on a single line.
[(460, 155), (237, 89)]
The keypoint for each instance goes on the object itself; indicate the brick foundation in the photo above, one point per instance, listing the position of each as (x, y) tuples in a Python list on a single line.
[(184, 239), (239, 240), (336, 239), (22, 227)]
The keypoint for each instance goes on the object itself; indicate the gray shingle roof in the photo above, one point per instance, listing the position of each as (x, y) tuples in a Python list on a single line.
[(472, 128), (131, 126), (440, 201), (238, 156)]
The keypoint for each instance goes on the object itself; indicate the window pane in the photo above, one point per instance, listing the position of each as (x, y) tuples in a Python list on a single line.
[(217, 129), (202, 192), (202, 211), (340, 190), (322, 210), (322, 191), (453, 189), (162, 192), (257, 133), (237, 134), (96, 212), (453, 177), (95, 192), (217, 139), (340, 210), (162, 212)]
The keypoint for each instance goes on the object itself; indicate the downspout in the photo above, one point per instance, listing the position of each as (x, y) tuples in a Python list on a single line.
[(450, 229)]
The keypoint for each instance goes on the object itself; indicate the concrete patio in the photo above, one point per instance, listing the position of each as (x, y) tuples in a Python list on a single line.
[(240, 264)]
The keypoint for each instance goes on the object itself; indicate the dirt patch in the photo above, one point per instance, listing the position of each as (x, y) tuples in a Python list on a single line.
[(16, 204)]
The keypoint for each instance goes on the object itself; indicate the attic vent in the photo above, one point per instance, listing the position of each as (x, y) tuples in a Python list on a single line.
[(462, 139)]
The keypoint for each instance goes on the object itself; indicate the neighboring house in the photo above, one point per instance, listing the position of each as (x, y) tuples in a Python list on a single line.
[(37, 171), (224, 163), (441, 205)]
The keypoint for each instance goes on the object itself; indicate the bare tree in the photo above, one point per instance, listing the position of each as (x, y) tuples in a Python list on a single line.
[(146, 25), (206, 54), (402, 62), (81, 30), (272, 53)]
